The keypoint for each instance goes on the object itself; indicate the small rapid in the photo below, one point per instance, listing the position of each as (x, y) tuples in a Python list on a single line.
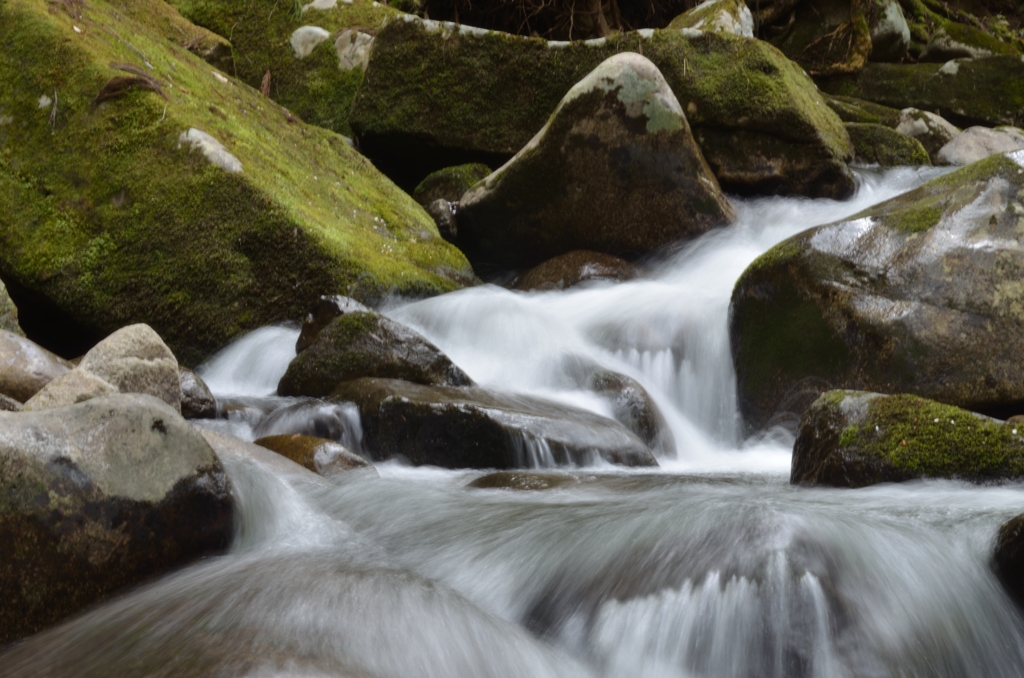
[(711, 566)]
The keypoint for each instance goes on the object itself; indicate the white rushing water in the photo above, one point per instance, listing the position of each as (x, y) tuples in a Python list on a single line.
[(711, 567)]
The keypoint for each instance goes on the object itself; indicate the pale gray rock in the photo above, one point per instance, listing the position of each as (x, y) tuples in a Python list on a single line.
[(71, 388), (136, 360), (305, 38), (353, 48), (977, 143), (26, 367), (717, 16), (8, 312), (931, 130), (890, 34), (211, 148), (8, 404), (197, 402)]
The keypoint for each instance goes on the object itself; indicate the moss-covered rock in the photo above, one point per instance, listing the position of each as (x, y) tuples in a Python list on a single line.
[(852, 109), (953, 40), (450, 183), (884, 146), (717, 16), (318, 87), (573, 268), (319, 455), (366, 344), (111, 211), (477, 428), (988, 91), (8, 312), (326, 309), (920, 294), (98, 497), (855, 438), (615, 170), (437, 95), (931, 130)]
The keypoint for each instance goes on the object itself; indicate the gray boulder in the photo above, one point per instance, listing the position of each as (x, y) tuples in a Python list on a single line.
[(854, 439), (920, 294), (573, 268), (366, 344), (978, 143), (615, 170), (931, 130), (477, 428), (75, 386), (26, 367), (633, 407), (8, 312), (197, 402), (97, 497)]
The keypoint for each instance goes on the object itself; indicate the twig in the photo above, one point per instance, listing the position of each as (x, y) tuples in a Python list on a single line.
[(53, 113)]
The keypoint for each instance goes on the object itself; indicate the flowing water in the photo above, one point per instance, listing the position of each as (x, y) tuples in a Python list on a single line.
[(711, 566)]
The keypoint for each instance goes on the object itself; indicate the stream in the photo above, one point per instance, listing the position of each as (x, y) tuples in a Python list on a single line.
[(711, 566)]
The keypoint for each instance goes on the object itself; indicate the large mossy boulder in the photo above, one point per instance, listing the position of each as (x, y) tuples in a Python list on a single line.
[(139, 185), (988, 91), (614, 170), (920, 294), (478, 428), (855, 438), (366, 344), (312, 73), (437, 95), (98, 497), (884, 146)]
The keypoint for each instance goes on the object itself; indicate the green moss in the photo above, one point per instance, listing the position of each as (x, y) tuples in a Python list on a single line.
[(977, 37), (449, 183), (104, 214), (851, 109), (921, 437), (885, 146)]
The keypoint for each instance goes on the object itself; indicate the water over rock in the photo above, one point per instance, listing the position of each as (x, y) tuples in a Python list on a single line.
[(931, 130), (97, 497), (573, 268), (366, 344), (319, 455), (884, 146), (150, 231), (478, 428), (856, 438), (978, 143), (634, 408), (615, 170), (326, 309), (438, 94), (920, 294), (197, 402), (26, 367)]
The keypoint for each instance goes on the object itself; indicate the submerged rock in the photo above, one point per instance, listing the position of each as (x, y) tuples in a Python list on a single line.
[(8, 313), (197, 402), (322, 456), (450, 183), (477, 428), (97, 497), (573, 268), (884, 146), (615, 170), (518, 480), (855, 438), (366, 344), (931, 130), (326, 309), (1008, 558), (920, 294), (26, 367), (978, 143), (436, 94), (113, 222)]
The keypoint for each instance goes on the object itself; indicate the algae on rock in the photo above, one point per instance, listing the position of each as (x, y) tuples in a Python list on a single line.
[(110, 219)]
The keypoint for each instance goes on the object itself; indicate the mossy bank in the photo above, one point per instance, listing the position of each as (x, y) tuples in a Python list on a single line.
[(111, 212)]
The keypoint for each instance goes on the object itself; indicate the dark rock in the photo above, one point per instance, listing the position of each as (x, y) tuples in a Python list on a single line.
[(8, 404), (827, 36), (854, 439), (437, 95), (966, 92), (518, 480), (322, 456), (852, 109), (97, 497), (8, 313), (1016, 419), (920, 294), (444, 214), (197, 402), (615, 170), (573, 268), (1009, 557), (634, 408), (477, 428), (327, 308), (314, 418), (449, 183), (26, 367), (365, 344), (884, 146)]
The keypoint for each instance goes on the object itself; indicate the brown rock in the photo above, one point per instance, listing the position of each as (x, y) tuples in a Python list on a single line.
[(319, 455), (26, 367), (573, 268)]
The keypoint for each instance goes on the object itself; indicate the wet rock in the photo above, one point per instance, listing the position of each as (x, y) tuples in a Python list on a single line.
[(478, 428), (197, 402), (931, 130), (988, 91), (26, 367), (98, 497), (757, 118), (884, 146), (615, 170), (366, 344), (633, 407), (920, 294), (326, 309), (573, 268), (8, 313), (444, 215), (978, 143), (314, 418), (855, 438), (717, 16), (230, 449), (852, 109), (322, 456), (8, 404), (449, 183), (1008, 558), (518, 480)]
